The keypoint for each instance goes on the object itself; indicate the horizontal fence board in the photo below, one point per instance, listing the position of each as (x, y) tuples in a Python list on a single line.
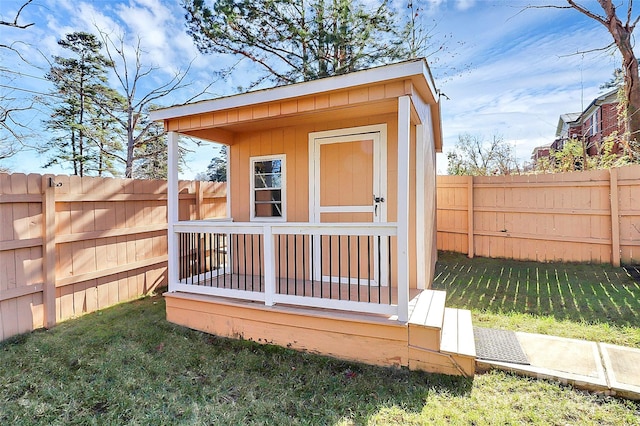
[(86, 198), (20, 198), (515, 210), (512, 235), (18, 244), (14, 293), (118, 232), (110, 271)]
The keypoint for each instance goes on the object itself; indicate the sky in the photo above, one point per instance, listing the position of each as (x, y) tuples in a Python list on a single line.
[(507, 70)]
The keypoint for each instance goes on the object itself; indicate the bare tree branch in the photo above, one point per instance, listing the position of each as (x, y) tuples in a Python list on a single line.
[(15, 24), (130, 73), (597, 49), (587, 12)]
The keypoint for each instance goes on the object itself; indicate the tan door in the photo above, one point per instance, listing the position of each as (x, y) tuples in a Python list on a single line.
[(347, 188)]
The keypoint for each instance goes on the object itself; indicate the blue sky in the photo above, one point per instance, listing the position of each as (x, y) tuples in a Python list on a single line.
[(521, 69)]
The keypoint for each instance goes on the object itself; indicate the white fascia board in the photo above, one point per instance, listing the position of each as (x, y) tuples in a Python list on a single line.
[(359, 78)]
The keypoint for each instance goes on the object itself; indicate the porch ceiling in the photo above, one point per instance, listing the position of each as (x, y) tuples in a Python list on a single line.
[(224, 132)]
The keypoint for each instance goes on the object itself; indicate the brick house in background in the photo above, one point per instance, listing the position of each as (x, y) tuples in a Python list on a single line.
[(598, 120), (568, 127), (540, 152), (594, 124)]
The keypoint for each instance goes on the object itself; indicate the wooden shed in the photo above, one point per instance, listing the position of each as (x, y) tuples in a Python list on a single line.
[(329, 244)]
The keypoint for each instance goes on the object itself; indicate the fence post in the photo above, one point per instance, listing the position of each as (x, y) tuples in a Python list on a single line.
[(615, 217), (199, 200), (470, 216), (49, 250)]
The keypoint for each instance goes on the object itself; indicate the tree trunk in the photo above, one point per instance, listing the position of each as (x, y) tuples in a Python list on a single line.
[(622, 34), (632, 86), (623, 37), (128, 170)]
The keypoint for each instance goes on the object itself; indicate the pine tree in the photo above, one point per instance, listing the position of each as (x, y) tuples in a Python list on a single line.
[(293, 40), (217, 168), (79, 81)]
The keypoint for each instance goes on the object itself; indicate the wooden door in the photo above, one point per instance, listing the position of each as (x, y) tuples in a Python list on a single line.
[(348, 170)]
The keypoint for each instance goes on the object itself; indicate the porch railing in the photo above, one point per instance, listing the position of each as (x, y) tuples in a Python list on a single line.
[(344, 266)]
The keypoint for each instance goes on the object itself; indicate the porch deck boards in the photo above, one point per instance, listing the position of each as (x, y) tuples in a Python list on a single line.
[(307, 288)]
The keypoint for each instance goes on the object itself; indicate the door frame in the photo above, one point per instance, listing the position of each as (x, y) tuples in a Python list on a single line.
[(378, 134)]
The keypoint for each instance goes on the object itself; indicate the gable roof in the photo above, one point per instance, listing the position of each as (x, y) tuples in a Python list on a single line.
[(569, 118)]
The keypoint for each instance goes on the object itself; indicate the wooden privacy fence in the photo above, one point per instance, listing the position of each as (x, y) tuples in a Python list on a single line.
[(71, 245), (589, 216)]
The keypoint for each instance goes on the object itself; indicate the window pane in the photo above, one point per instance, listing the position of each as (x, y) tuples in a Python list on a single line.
[(268, 196), (269, 210), (269, 166), (268, 188), (268, 181)]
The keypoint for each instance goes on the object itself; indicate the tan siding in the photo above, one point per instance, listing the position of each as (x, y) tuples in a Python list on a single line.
[(363, 97), (294, 143)]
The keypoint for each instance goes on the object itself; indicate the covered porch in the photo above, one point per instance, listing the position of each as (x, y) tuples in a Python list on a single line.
[(329, 240)]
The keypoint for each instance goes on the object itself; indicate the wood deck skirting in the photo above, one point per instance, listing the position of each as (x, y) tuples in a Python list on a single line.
[(341, 335), (368, 338)]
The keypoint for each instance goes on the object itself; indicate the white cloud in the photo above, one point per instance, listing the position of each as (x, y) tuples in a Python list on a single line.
[(465, 4)]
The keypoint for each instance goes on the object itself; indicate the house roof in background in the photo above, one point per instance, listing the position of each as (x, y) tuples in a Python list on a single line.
[(568, 118), (573, 118)]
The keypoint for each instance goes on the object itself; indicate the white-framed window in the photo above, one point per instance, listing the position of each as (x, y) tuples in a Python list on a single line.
[(268, 188)]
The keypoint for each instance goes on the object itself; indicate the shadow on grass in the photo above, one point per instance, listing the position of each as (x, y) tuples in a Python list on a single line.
[(128, 365), (576, 292)]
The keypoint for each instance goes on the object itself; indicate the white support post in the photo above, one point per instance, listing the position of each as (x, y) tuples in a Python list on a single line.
[(228, 194), (421, 231), (172, 209), (269, 266), (404, 123)]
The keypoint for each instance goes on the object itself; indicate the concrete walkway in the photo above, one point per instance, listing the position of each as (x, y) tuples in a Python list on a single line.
[(600, 367)]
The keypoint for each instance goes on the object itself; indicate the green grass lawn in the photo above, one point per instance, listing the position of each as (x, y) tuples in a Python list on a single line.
[(592, 302), (127, 365)]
